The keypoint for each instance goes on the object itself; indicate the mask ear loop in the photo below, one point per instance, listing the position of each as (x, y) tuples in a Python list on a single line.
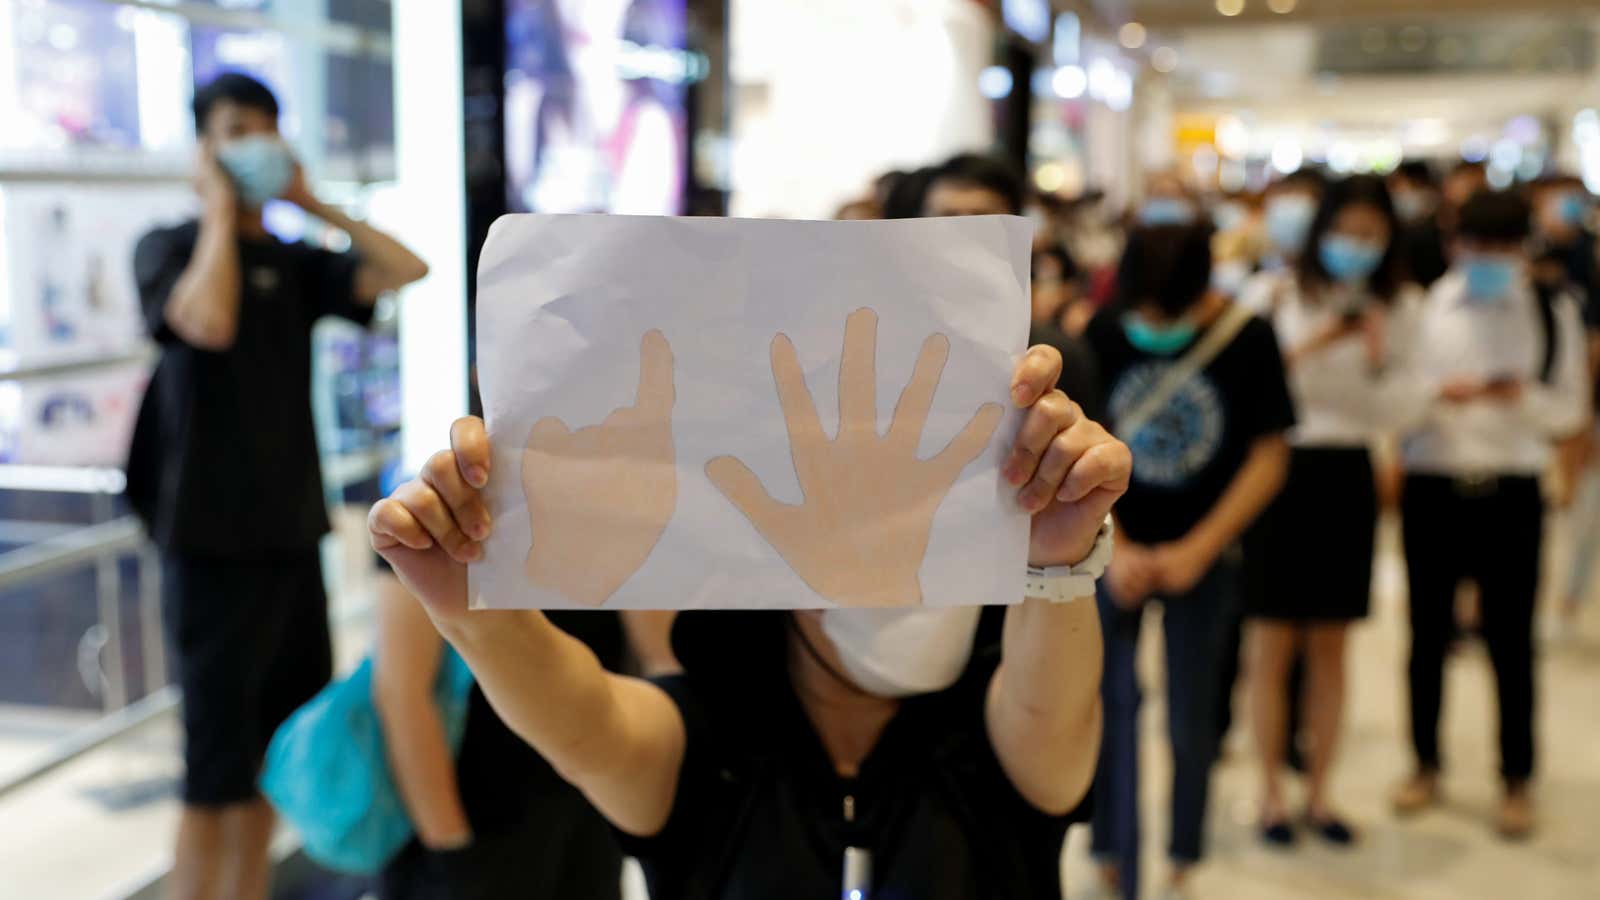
[(816, 657)]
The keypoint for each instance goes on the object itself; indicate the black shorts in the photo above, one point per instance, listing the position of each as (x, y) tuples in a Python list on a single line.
[(1308, 558), (252, 645)]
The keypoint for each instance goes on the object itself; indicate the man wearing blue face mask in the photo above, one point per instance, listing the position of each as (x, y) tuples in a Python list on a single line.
[(1503, 375), (223, 467)]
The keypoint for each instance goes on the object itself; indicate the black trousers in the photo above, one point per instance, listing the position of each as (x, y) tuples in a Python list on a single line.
[(1490, 531)]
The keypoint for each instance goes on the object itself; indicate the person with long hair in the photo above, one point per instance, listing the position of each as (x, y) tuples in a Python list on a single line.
[(1346, 326)]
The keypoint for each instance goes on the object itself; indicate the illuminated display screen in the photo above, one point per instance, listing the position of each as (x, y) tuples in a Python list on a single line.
[(595, 95)]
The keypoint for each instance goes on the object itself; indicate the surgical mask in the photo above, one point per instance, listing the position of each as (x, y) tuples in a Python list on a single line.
[(1166, 211), (1229, 216), (1160, 340), (1572, 208), (1349, 260), (260, 165), (1412, 206), (1489, 277), (1289, 221), (903, 652)]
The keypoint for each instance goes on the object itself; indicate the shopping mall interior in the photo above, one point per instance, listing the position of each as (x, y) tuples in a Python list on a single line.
[(412, 126)]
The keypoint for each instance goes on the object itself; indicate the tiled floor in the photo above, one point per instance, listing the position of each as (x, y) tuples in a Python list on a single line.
[(1448, 853), (58, 840)]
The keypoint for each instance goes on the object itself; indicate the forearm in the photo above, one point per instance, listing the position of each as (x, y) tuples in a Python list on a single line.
[(1252, 489), (203, 309), (618, 740), (546, 685), (1044, 702), (394, 264), (424, 769)]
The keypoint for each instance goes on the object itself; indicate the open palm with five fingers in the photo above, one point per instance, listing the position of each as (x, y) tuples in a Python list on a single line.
[(860, 532), (600, 497)]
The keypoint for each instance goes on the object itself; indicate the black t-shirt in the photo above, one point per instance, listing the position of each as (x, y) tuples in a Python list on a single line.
[(224, 456), (1188, 454), (760, 812)]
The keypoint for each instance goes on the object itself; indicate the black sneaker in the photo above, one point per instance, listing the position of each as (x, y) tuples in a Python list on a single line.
[(1277, 834), (1332, 831)]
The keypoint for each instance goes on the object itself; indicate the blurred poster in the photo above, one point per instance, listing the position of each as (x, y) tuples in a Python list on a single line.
[(67, 287), (67, 294), (72, 420), (595, 105)]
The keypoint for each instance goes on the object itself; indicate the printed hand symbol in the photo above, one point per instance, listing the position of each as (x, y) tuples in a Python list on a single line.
[(860, 533), (600, 497)]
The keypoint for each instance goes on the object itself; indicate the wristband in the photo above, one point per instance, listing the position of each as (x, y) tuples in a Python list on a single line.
[(1063, 584)]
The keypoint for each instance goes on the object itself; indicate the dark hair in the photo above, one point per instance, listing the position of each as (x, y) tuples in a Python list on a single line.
[(1168, 265), (904, 197), (1477, 168), (1418, 171), (986, 172), (1500, 217), (1357, 189), (1304, 179), (233, 87)]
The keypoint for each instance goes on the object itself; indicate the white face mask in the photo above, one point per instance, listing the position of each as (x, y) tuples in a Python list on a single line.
[(902, 652)]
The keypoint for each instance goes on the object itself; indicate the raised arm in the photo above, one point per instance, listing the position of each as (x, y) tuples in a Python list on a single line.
[(619, 740), (203, 308), (386, 264), (1043, 710)]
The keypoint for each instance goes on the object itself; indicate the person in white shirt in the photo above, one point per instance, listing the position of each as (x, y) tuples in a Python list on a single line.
[(1346, 326), (1506, 368)]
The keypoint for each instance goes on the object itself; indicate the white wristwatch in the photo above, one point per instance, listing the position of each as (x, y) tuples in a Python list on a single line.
[(1062, 584)]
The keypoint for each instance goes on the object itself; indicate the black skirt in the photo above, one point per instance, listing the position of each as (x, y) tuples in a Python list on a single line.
[(1309, 556)]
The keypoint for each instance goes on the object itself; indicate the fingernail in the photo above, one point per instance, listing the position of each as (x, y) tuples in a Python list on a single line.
[(474, 552), (1064, 496), (476, 476), (479, 531), (1032, 502), (1020, 395)]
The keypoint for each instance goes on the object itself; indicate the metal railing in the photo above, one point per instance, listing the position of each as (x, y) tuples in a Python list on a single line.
[(145, 354), (101, 545)]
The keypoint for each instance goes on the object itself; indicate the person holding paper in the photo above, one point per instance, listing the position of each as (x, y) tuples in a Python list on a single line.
[(223, 467), (1196, 386), (802, 751)]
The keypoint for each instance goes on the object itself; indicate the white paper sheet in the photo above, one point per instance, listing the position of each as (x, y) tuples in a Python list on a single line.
[(564, 305)]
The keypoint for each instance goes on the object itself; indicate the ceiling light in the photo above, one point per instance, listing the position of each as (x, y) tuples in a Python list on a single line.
[(1230, 7), (1132, 35), (1165, 59), (1282, 7), (1070, 82)]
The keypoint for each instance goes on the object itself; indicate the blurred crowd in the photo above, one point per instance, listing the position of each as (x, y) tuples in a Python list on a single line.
[(1286, 364)]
